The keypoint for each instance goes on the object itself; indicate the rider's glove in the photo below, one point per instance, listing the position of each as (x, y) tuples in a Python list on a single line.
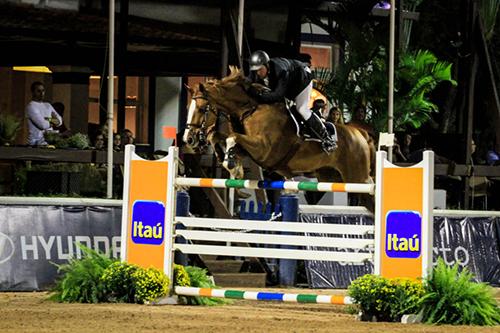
[(254, 92)]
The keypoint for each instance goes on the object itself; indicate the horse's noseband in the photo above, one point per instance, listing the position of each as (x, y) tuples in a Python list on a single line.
[(202, 134)]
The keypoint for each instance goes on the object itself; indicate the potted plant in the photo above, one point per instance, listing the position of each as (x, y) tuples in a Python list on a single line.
[(9, 125)]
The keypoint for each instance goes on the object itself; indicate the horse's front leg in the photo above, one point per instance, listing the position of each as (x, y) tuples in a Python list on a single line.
[(232, 162), (218, 141), (252, 145), (231, 159), (256, 146)]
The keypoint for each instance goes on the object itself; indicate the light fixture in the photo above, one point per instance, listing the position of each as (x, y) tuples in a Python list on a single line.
[(383, 5), (35, 69)]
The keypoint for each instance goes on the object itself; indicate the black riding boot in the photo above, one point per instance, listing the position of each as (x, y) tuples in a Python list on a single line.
[(318, 128)]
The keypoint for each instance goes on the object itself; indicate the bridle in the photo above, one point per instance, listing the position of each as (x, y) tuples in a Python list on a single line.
[(203, 131)]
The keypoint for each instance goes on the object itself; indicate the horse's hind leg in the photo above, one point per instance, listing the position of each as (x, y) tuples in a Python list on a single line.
[(359, 174), (329, 175)]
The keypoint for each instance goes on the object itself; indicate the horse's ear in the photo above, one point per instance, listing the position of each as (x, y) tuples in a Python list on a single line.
[(191, 90), (201, 88), (234, 70)]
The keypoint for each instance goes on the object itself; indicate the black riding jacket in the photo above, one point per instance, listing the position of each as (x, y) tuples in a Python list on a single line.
[(287, 78)]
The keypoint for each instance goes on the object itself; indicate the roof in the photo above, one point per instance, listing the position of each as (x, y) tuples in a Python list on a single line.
[(36, 36)]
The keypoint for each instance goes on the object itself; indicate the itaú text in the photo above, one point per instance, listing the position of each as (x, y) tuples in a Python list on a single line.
[(147, 231), (395, 243)]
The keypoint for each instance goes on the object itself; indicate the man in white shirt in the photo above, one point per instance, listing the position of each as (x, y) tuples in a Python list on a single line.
[(41, 116)]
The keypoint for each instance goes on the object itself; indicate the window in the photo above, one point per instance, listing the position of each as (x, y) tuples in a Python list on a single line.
[(136, 105)]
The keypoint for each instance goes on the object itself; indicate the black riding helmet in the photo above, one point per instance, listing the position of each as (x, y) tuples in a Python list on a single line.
[(258, 59)]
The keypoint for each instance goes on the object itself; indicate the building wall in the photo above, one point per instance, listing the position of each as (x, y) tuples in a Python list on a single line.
[(168, 90)]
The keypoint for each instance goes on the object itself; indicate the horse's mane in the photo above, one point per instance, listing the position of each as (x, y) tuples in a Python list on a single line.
[(225, 87), (235, 77)]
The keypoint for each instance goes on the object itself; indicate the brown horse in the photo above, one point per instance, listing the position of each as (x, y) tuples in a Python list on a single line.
[(268, 135)]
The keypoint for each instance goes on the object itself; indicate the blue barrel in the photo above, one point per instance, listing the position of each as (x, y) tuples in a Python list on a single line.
[(290, 213), (181, 209)]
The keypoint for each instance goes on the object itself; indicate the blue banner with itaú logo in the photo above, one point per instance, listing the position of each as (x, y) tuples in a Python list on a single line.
[(472, 242), (148, 222), (404, 234)]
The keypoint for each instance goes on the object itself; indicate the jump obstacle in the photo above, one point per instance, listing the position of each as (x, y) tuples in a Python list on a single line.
[(402, 243)]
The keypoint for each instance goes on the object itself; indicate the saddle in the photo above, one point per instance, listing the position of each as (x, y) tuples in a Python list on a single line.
[(302, 130)]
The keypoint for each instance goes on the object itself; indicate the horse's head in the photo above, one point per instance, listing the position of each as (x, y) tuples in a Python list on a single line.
[(201, 118), (229, 94)]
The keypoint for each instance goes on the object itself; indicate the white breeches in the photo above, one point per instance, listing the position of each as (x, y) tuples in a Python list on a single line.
[(302, 101)]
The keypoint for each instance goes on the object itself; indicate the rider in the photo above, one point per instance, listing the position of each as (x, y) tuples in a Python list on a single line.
[(291, 79)]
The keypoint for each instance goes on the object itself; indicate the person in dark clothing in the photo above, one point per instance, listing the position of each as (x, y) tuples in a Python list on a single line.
[(318, 107), (290, 79)]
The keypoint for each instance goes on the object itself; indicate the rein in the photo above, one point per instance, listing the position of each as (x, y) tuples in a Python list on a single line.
[(247, 114), (206, 111), (205, 130)]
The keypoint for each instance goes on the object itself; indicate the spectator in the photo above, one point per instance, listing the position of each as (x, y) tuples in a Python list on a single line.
[(476, 157), (335, 116), (359, 120), (405, 148), (318, 107), (492, 155), (42, 117), (99, 143), (127, 137), (117, 142), (104, 130), (397, 154)]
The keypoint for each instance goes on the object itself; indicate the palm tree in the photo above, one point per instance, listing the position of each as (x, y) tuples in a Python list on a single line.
[(417, 75)]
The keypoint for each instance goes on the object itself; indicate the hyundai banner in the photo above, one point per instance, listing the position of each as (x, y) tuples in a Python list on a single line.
[(34, 239)]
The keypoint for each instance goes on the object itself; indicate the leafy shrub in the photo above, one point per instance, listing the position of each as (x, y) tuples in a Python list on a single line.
[(181, 276), (200, 279), (452, 297), (385, 299), (79, 141), (118, 282), (82, 278), (9, 125), (372, 294), (54, 138), (406, 297), (149, 284)]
